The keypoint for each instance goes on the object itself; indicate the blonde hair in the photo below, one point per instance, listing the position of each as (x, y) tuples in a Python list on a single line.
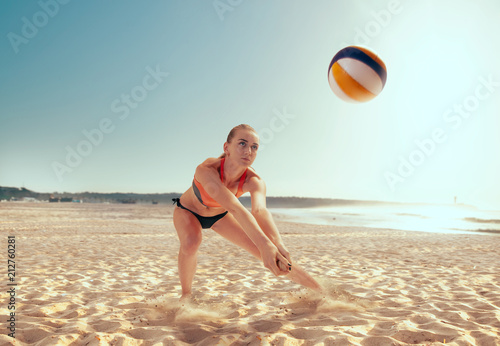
[(232, 133)]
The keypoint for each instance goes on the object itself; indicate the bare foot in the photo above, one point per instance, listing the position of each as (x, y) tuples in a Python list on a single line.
[(300, 276), (186, 298)]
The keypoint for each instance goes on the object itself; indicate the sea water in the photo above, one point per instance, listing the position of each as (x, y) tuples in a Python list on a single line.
[(410, 217)]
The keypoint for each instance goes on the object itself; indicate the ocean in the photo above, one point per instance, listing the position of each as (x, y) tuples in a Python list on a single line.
[(409, 217)]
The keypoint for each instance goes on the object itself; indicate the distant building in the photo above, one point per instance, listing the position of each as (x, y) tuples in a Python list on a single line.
[(53, 199), (29, 199)]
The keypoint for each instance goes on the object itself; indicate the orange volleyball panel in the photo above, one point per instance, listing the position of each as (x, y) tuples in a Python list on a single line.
[(350, 86)]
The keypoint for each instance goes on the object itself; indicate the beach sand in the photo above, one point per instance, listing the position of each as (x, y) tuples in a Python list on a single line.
[(106, 274)]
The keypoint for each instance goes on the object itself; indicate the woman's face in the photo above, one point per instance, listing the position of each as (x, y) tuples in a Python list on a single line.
[(243, 147)]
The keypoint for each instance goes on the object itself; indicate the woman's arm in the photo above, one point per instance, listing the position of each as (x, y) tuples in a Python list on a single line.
[(263, 216), (265, 220), (270, 254)]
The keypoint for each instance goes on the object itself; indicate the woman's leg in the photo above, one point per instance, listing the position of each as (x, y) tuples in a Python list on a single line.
[(189, 231), (230, 229)]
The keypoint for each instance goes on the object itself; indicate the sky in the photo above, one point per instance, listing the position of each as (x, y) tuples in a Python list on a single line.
[(130, 96)]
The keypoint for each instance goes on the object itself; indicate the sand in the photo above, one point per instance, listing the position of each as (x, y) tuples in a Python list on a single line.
[(106, 274)]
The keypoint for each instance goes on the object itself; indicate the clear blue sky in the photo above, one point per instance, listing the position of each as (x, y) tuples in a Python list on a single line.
[(164, 82)]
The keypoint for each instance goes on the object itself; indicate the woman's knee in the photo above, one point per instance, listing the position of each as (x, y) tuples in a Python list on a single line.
[(190, 244)]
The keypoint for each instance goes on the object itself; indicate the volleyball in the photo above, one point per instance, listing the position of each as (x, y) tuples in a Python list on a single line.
[(356, 74)]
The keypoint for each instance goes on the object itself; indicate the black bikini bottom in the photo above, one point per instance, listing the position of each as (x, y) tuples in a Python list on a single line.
[(205, 221)]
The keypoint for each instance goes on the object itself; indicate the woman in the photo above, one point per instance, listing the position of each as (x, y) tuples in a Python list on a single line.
[(212, 202)]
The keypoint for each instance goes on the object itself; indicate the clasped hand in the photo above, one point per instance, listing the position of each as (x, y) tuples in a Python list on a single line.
[(276, 259)]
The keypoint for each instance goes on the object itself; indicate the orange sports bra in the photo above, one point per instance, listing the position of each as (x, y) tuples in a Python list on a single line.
[(205, 198)]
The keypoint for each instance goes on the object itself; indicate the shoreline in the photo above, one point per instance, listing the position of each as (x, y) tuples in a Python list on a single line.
[(336, 218), (108, 274)]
